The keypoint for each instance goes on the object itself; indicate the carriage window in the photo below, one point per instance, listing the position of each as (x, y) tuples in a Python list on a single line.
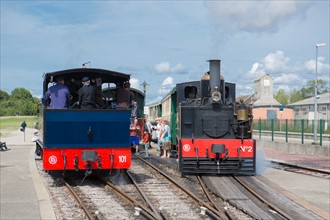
[(108, 89), (190, 92)]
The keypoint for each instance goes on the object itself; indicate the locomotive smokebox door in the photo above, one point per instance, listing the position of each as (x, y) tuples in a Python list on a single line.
[(218, 148), (88, 155)]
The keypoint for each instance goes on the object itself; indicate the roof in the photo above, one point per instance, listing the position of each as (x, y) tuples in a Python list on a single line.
[(154, 103), (323, 99), (79, 73), (266, 102)]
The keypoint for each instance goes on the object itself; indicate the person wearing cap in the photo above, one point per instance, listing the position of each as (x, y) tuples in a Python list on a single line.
[(87, 97), (58, 95), (124, 96)]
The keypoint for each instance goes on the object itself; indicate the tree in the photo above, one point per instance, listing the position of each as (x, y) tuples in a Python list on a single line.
[(21, 93), (20, 102), (295, 96), (309, 90), (282, 97), (3, 96)]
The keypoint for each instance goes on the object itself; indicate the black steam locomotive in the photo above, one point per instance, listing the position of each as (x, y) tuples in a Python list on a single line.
[(214, 132)]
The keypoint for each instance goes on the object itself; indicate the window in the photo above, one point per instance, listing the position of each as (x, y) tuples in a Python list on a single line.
[(190, 92)]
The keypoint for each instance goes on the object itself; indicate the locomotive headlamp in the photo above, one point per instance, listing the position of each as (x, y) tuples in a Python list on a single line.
[(216, 95)]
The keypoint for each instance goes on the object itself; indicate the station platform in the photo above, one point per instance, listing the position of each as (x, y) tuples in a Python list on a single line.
[(23, 194)]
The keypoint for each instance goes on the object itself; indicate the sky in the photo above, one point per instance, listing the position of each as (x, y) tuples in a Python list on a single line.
[(166, 42)]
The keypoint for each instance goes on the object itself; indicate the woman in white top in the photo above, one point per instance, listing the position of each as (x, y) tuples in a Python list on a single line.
[(166, 137)]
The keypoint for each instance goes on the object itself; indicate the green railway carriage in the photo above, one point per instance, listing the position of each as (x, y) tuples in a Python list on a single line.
[(155, 110), (169, 113)]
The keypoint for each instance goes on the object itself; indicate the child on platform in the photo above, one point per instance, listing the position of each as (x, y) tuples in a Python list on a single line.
[(146, 142)]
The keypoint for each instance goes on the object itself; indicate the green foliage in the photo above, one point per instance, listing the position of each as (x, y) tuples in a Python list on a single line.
[(281, 97), (21, 93), (20, 102), (309, 91), (295, 96), (303, 93), (3, 96)]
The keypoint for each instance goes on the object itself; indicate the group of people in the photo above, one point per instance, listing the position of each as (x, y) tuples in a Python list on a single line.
[(163, 134), (59, 96)]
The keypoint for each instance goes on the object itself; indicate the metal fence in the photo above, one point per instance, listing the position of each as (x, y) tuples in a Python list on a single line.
[(286, 128)]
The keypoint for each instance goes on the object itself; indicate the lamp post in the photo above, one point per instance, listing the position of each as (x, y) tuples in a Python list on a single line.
[(315, 92)]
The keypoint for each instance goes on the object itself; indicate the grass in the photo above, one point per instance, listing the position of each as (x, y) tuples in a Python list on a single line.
[(12, 123)]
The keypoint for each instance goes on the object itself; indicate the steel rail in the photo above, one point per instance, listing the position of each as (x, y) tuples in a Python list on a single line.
[(81, 204), (261, 198), (212, 212), (222, 212), (145, 211), (301, 167), (144, 196)]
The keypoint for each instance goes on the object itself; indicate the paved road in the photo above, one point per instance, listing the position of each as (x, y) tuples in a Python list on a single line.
[(23, 194)]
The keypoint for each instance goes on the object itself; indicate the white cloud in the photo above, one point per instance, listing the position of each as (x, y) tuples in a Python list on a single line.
[(168, 81), (178, 68), (276, 62), (162, 67), (135, 83), (252, 16), (165, 67), (322, 68), (273, 63), (166, 86), (287, 78)]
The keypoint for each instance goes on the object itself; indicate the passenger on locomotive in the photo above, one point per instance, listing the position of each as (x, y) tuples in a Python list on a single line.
[(87, 95), (124, 96), (133, 136), (58, 95)]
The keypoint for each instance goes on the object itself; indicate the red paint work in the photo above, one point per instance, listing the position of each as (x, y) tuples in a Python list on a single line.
[(53, 158), (247, 147)]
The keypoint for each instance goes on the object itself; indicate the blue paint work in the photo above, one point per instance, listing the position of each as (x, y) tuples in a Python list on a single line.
[(69, 129)]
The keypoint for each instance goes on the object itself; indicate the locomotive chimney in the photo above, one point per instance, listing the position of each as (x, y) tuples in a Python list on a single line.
[(214, 74)]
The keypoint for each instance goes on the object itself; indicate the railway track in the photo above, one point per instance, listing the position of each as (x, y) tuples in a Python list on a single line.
[(173, 202), (154, 197), (205, 207), (87, 210), (95, 198), (277, 204), (262, 202), (301, 169)]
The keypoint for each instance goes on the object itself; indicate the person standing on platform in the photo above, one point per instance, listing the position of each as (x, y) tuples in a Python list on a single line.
[(146, 142), (133, 137), (166, 137), (159, 132)]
